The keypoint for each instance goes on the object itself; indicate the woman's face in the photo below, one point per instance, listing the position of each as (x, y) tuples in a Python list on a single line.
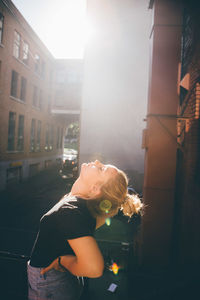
[(96, 173)]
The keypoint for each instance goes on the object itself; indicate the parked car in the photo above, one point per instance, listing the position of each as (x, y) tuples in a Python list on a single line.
[(70, 163)]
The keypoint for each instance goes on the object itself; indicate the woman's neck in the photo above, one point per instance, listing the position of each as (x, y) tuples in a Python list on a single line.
[(100, 221), (77, 190)]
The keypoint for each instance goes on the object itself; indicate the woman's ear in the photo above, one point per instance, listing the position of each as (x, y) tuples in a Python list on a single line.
[(95, 191)]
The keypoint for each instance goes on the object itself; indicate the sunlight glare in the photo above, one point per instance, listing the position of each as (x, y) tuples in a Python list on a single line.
[(70, 30)]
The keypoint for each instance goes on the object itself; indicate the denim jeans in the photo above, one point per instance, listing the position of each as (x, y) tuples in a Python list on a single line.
[(53, 285)]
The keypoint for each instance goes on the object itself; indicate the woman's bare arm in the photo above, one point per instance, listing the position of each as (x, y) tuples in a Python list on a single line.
[(88, 260)]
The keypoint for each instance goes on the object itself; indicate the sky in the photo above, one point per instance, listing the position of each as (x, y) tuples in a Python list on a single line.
[(60, 24)]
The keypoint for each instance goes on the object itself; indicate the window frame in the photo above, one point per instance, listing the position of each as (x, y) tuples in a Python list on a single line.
[(61, 138), (51, 138), (14, 84), (32, 135), (11, 131), (23, 89), (20, 135), (35, 96), (37, 63), (25, 54), (47, 137), (1, 27), (38, 135), (58, 138), (40, 99), (16, 44)]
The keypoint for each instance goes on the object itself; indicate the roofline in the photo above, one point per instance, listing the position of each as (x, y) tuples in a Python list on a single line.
[(13, 10)]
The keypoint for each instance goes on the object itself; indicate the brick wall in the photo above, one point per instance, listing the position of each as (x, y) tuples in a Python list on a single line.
[(188, 179)]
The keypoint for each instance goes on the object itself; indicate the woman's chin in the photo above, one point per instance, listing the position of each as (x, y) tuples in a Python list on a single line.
[(83, 166)]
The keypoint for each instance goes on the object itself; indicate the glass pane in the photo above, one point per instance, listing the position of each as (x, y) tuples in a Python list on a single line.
[(32, 141), (58, 138), (11, 131), (35, 96), (17, 38), (14, 81), (25, 52), (20, 140), (47, 138), (23, 89), (38, 135), (40, 100)]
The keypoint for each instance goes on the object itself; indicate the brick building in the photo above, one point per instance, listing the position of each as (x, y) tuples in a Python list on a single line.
[(186, 238), (31, 131), (170, 227)]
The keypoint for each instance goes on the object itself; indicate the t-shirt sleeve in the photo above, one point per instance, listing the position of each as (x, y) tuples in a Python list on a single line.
[(72, 223)]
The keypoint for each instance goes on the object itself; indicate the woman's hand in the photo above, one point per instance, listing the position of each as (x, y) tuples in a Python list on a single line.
[(55, 264)]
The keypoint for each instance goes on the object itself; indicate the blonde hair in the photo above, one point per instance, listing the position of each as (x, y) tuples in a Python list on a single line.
[(116, 192)]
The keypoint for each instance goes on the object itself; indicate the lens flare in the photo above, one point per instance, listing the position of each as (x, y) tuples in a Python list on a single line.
[(115, 268), (105, 205), (108, 221)]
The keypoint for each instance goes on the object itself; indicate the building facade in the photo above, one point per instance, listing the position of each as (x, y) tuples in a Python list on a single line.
[(31, 131), (186, 238), (170, 226)]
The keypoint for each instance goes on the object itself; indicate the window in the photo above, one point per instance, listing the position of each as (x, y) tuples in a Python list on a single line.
[(58, 138), (25, 54), (40, 100), (1, 27), (13, 175), (14, 81), (61, 138), (16, 47), (37, 63), (35, 96), (47, 138), (32, 139), (11, 131), (43, 66), (20, 139), (51, 138), (39, 126), (23, 89)]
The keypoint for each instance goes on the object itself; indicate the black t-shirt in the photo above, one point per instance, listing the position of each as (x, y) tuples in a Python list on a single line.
[(68, 219)]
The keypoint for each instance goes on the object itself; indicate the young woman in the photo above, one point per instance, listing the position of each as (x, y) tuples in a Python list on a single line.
[(65, 250)]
